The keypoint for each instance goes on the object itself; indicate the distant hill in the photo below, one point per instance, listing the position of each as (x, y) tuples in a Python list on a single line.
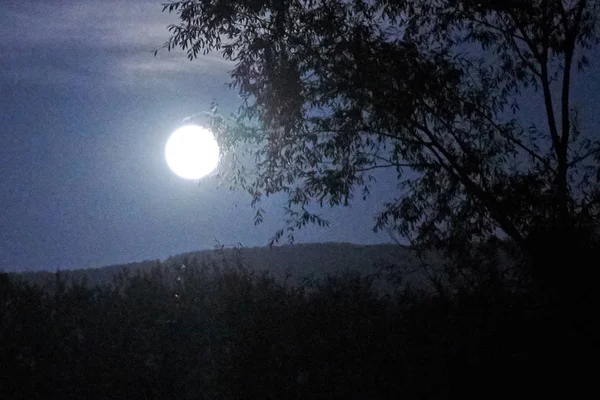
[(293, 262), (305, 260)]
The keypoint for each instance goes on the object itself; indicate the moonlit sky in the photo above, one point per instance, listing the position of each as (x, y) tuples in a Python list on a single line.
[(85, 112)]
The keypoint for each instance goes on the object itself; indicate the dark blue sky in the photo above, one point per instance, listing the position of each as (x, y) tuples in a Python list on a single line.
[(85, 111)]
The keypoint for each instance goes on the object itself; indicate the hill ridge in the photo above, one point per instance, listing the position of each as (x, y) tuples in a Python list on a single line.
[(297, 260)]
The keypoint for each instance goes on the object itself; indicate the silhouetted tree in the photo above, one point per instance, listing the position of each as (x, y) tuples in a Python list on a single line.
[(334, 90)]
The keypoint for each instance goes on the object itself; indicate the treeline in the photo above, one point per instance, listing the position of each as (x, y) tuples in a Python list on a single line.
[(207, 332)]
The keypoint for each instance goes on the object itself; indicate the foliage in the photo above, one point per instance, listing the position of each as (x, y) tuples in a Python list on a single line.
[(334, 90), (227, 333)]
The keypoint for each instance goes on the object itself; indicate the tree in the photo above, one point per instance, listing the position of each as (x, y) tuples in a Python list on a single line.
[(336, 89)]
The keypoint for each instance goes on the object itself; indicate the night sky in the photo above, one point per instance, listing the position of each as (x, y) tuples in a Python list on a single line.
[(85, 112)]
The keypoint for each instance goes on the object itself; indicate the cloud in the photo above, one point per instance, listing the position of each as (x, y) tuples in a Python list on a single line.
[(77, 42)]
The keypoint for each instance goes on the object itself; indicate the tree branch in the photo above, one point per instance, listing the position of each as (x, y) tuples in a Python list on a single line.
[(520, 144), (583, 157), (550, 107), (452, 166), (570, 52), (395, 165)]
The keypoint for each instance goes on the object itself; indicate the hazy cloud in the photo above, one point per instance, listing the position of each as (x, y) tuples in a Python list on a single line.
[(77, 42)]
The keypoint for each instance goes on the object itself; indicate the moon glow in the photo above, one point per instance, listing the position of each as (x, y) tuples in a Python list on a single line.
[(192, 152)]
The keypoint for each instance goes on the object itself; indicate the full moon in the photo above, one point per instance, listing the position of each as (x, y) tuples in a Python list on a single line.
[(192, 152)]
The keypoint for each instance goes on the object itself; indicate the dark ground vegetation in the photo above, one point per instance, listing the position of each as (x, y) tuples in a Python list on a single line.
[(224, 332)]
